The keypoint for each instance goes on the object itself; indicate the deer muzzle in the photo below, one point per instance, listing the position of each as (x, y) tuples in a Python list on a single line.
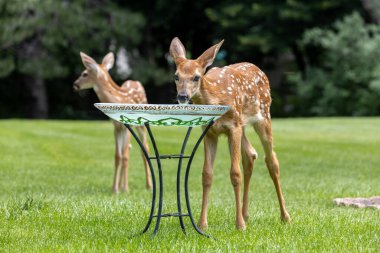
[(76, 86), (183, 98)]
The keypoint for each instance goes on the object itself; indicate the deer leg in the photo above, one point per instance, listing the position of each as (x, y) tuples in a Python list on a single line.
[(234, 141), (124, 161), (264, 130), (142, 134), (122, 135), (249, 155), (118, 152), (210, 146)]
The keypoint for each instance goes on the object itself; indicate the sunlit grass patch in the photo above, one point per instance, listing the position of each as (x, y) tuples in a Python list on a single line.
[(56, 177)]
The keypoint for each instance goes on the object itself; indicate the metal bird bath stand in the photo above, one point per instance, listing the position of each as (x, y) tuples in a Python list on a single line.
[(166, 115)]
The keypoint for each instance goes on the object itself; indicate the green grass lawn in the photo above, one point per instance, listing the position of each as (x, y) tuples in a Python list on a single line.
[(56, 178)]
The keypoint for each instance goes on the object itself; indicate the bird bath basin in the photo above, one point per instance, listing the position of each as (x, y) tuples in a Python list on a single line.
[(163, 114)]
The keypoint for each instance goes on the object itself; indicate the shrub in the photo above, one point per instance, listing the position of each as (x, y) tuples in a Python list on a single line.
[(343, 73)]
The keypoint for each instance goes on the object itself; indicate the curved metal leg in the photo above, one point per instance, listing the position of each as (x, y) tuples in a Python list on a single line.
[(179, 179), (158, 158), (187, 179), (146, 155), (160, 196)]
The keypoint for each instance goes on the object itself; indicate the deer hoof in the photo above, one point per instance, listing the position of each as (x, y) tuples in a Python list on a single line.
[(286, 217), (246, 217), (240, 226), (202, 225)]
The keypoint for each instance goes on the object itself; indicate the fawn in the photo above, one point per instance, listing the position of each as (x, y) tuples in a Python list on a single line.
[(245, 88), (96, 76)]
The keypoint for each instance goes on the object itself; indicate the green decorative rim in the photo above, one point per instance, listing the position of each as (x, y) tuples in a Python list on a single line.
[(171, 121)]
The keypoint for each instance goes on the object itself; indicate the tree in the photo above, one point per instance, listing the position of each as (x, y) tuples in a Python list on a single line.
[(41, 40), (265, 33), (343, 74), (166, 19)]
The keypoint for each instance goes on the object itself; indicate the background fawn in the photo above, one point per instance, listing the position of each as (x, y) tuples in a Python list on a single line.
[(96, 76)]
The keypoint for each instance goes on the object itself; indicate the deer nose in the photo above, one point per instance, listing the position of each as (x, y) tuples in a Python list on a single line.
[(76, 86), (182, 98)]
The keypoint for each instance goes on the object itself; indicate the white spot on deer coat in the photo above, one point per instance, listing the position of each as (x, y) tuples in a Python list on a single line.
[(257, 79)]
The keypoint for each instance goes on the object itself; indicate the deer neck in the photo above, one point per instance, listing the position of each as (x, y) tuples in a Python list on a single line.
[(108, 91)]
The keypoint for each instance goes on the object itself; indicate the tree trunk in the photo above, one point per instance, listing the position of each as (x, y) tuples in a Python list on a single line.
[(36, 106)]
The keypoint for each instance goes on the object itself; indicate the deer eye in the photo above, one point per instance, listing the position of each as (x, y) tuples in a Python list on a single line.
[(84, 74), (176, 77), (196, 78)]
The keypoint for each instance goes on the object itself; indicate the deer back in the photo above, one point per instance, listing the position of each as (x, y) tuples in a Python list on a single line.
[(243, 86)]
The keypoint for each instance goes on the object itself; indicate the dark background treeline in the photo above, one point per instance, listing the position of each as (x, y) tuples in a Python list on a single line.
[(321, 56)]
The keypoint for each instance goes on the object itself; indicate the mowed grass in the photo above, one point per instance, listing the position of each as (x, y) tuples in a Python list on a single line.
[(56, 177)]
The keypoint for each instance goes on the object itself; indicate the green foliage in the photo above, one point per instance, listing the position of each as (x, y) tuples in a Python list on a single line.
[(343, 77), (43, 38), (270, 27), (56, 177), (150, 73), (265, 33)]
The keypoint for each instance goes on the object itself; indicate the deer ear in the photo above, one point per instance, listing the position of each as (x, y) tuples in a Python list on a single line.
[(108, 61), (177, 51), (89, 63), (208, 56)]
